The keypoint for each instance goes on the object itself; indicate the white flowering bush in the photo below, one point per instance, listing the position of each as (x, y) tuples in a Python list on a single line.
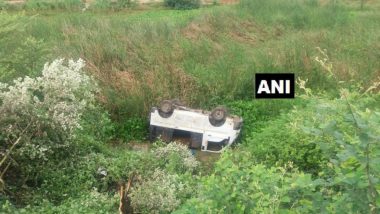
[(60, 94), (159, 193), (39, 116), (164, 187), (176, 157)]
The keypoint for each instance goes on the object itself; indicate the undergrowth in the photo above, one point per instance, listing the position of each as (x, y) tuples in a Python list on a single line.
[(316, 153)]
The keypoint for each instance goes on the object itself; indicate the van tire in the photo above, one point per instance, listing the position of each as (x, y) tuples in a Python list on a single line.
[(166, 108), (218, 116)]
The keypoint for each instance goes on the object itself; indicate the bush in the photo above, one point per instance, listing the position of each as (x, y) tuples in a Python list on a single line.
[(183, 4), (258, 113), (132, 129), (39, 117), (166, 180), (278, 143), (347, 132), (176, 158), (111, 167), (158, 193), (243, 186)]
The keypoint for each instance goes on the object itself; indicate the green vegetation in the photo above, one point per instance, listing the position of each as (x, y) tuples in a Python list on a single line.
[(67, 5), (271, 173), (183, 4), (68, 133), (53, 5)]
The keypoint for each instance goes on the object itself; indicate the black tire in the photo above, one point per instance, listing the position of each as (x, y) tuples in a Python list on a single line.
[(166, 108), (218, 116)]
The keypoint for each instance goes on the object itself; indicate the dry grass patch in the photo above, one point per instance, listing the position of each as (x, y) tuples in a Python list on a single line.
[(195, 31)]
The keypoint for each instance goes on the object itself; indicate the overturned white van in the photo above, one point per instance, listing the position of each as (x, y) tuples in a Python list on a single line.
[(209, 131)]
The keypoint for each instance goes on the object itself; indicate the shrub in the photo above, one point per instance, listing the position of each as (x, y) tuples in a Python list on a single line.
[(104, 169), (132, 128), (176, 158), (96, 124), (86, 169), (243, 186), (167, 178), (347, 132), (110, 169), (39, 116), (158, 193), (279, 143), (183, 4), (258, 113)]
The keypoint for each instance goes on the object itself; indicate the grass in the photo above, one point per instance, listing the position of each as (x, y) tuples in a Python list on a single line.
[(204, 56)]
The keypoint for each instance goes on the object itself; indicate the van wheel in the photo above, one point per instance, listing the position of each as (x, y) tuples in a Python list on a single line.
[(166, 109), (218, 116)]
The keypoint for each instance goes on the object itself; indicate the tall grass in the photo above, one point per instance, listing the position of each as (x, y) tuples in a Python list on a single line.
[(298, 14), (53, 5)]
